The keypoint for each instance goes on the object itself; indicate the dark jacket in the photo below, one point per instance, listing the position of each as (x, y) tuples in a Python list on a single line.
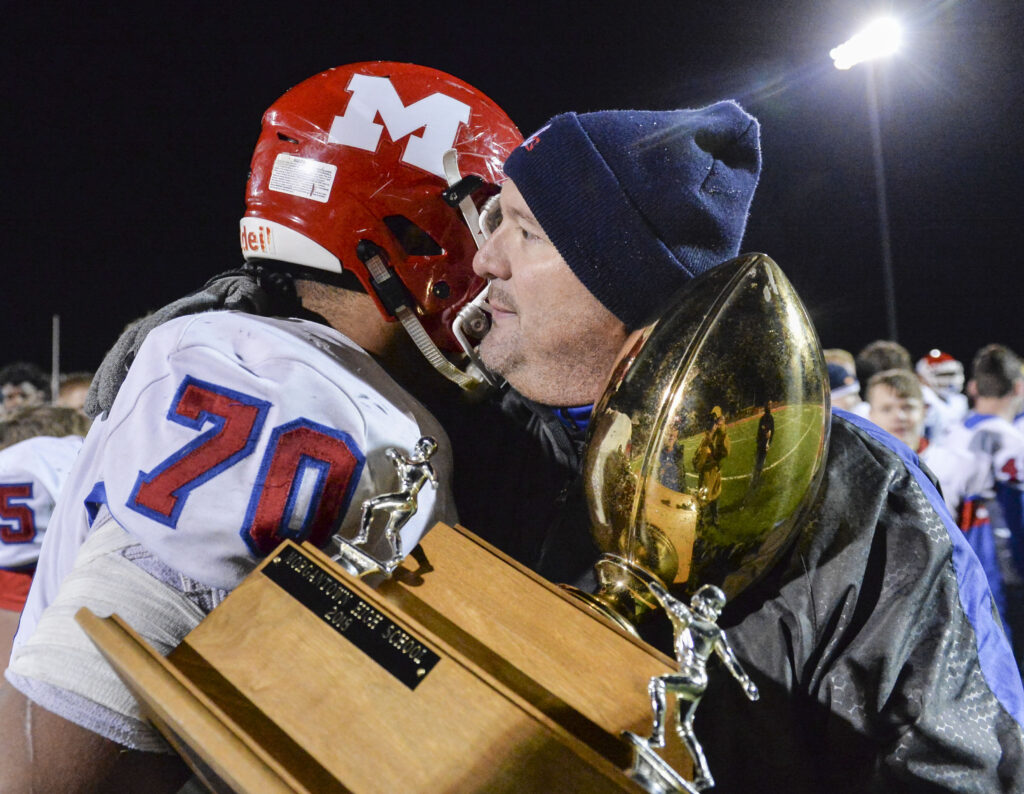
[(881, 664)]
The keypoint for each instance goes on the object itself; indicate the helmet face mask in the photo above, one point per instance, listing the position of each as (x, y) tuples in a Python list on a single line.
[(355, 154)]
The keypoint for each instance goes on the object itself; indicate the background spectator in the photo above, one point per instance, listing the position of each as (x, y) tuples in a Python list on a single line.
[(73, 388), (882, 354), (896, 405), (22, 385), (844, 386)]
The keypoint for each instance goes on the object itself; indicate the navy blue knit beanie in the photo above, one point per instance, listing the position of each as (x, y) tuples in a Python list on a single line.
[(639, 202)]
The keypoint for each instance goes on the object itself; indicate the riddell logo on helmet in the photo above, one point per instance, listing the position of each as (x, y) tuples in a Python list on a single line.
[(438, 115), (256, 240)]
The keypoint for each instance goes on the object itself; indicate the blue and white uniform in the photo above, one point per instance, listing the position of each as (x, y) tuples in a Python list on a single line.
[(230, 433), (980, 465), (32, 474), (944, 412)]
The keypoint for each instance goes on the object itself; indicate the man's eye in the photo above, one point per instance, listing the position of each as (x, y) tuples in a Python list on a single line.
[(490, 217)]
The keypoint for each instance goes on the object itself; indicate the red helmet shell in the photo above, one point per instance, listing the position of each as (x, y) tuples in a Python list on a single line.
[(354, 153)]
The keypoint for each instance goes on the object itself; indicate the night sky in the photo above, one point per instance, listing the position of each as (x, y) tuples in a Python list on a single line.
[(128, 135)]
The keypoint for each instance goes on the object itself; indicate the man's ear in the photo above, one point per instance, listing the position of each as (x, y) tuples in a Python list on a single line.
[(972, 389)]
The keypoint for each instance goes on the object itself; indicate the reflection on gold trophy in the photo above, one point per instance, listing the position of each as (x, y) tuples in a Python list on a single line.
[(707, 441), (706, 445)]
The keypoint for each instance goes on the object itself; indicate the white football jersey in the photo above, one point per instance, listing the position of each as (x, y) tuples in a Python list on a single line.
[(974, 456), (32, 474), (943, 414), (233, 432)]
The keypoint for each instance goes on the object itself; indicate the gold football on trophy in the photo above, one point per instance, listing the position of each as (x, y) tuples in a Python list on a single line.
[(708, 440)]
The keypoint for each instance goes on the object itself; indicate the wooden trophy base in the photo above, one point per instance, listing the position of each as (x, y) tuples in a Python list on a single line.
[(536, 638), (464, 673)]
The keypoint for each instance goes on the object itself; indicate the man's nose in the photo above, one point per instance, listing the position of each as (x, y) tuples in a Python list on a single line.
[(490, 261)]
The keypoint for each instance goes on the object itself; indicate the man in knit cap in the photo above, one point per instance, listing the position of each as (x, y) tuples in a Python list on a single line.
[(872, 639)]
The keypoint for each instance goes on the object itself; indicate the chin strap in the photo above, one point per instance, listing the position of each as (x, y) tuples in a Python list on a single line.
[(392, 294), (473, 316)]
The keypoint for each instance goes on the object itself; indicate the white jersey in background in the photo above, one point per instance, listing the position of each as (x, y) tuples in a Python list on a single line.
[(32, 474), (974, 457), (943, 412), (980, 466), (230, 433)]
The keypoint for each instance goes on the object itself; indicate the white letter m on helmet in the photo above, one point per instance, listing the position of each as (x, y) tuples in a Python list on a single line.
[(438, 114)]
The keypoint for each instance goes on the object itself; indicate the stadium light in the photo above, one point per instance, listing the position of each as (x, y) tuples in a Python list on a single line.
[(879, 39)]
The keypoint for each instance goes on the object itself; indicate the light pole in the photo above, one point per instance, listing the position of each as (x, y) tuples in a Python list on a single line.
[(879, 39)]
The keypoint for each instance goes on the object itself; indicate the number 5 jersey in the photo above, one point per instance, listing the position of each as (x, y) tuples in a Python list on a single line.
[(32, 474)]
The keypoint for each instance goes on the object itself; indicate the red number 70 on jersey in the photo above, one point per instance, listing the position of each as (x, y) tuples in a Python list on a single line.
[(305, 480)]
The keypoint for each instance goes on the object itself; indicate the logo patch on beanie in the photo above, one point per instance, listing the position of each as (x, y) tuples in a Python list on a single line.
[(534, 139)]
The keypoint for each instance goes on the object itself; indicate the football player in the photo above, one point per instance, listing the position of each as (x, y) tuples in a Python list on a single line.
[(896, 405), (233, 430), (882, 354), (38, 445), (942, 378), (980, 463)]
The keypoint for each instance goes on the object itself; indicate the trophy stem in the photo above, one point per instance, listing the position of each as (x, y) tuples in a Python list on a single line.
[(623, 595)]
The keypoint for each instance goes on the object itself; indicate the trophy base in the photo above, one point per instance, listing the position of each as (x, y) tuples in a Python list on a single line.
[(623, 594), (307, 680), (356, 562), (652, 772), (601, 608)]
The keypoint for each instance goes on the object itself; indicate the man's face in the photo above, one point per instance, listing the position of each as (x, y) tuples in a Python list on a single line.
[(901, 416), (20, 395), (550, 338)]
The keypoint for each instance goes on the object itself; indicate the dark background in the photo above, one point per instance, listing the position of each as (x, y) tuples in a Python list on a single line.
[(128, 131)]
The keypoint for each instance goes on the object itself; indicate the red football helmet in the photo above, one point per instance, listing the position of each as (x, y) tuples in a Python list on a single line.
[(942, 372), (354, 155)]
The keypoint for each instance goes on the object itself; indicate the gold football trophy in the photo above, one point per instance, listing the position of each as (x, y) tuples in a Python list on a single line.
[(464, 671), (707, 441)]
